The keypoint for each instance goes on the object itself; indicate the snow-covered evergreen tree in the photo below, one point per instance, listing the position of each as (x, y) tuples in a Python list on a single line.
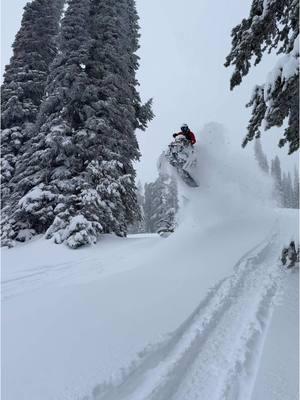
[(149, 210), (296, 188), (272, 24), (168, 207), (260, 156), (277, 181), (161, 204), (24, 82), (290, 192), (139, 225), (80, 180), (43, 171), (287, 191)]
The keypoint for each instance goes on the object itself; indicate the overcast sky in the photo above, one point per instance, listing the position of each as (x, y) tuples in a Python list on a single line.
[(183, 49)]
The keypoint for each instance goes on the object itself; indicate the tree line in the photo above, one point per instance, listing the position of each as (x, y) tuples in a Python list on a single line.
[(285, 187)]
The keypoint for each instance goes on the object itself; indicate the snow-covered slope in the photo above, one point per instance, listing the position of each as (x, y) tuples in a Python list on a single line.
[(195, 316)]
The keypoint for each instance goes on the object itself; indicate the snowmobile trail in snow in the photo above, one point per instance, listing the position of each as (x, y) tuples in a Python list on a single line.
[(46, 274), (214, 354)]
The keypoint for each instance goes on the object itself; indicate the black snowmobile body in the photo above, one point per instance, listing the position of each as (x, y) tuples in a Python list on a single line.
[(289, 255)]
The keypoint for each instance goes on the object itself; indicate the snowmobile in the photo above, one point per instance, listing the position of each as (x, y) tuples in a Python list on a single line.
[(181, 155), (289, 255)]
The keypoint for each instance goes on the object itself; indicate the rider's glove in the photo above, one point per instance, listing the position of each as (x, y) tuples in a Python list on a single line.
[(174, 134)]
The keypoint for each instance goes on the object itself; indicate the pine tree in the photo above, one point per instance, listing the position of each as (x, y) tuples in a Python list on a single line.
[(143, 112), (260, 156), (277, 179), (159, 200), (139, 225), (149, 210), (170, 207), (272, 24), (80, 180), (165, 204), (43, 170), (287, 191), (161, 205), (296, 188), (24, 82), (284, 187)]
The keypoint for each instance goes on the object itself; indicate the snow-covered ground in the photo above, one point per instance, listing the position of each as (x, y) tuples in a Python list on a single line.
[(207, 313)]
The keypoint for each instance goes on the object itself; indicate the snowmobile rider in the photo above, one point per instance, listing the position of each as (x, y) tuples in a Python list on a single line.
[(187, 133)]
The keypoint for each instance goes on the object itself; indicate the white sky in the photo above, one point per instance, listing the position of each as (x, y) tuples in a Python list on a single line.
[(183, 49)]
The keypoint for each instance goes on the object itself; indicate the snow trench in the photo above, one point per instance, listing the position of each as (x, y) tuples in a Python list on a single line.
[(214, 354)]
